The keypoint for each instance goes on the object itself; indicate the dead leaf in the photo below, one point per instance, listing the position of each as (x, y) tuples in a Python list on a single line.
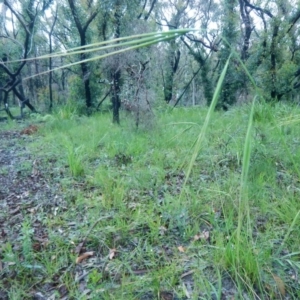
[(30, 130), (15, 211), (32, 210), (187, 273), (112, 253), (166, 295), (39, 295), (204, 235), (84, 256), (181, 249), (25, 194), (280, 284), (197, 237), (37, 247), (79, 248), (3, 233), (162, 230), (63, 290), (133, 205), (185, 290)]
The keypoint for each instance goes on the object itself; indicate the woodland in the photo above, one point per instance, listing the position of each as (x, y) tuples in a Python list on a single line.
[(263, 35), (149, 149)]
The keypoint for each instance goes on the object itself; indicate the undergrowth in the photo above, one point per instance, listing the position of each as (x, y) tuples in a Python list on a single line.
[(149, 232)]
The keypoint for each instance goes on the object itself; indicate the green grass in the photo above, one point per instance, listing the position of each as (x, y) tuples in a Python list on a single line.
[(233, 223)]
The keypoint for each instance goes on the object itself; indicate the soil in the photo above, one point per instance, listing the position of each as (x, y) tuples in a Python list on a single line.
[(25, 191), (24, 183)]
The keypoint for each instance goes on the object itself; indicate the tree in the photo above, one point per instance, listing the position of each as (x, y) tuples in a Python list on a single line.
[(19, 37), (125, 18), (262, 34), (176, 11), (203, 46), (275, 61), (83, 16), (50, 35), (229, 42)]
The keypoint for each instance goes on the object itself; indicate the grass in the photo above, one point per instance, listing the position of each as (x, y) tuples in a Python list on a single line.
[(232, 226)]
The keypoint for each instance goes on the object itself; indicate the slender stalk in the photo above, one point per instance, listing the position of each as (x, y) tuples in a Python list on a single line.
[(134, 40), (138, 46), (243, 198), (288, 233), (206, 122)]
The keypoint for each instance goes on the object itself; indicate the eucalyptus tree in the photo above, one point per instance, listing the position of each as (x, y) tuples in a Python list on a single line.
[(122, 18), (230, 35), (16, 39), (263, 34), (84, 13), (276, 46), (203, 45), (49, 25), (172, 15)]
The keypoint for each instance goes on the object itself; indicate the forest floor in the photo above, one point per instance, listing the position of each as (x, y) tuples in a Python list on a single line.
[(26, 194), (84, 215)]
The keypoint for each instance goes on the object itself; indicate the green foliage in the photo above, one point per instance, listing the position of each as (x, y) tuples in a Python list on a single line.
[(9, 256), (229, 37), (75, 160), (76, 92), (219, 208), (285, 77), (27, 249), (175, 201), (68, 111), (284, 84)]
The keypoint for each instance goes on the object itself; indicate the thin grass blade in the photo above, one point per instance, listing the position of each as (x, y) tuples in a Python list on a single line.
[(206, 122)]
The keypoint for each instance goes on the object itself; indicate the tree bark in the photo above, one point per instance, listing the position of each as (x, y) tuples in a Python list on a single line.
[(116, 73), (273, 53), (115, 97), (247, 31), (82, 29), (50, 61)]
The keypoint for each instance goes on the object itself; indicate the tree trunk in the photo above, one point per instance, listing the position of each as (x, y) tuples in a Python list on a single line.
[(86, 80), (82, 30), (173, 63), (115, 97), (116, 88), (273, 50), (50, 61)]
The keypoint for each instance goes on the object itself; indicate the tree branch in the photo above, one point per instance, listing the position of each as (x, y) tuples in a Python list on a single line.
[(90, 19), (20, 19), (294, 19), (262, 10), (150, 10)]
